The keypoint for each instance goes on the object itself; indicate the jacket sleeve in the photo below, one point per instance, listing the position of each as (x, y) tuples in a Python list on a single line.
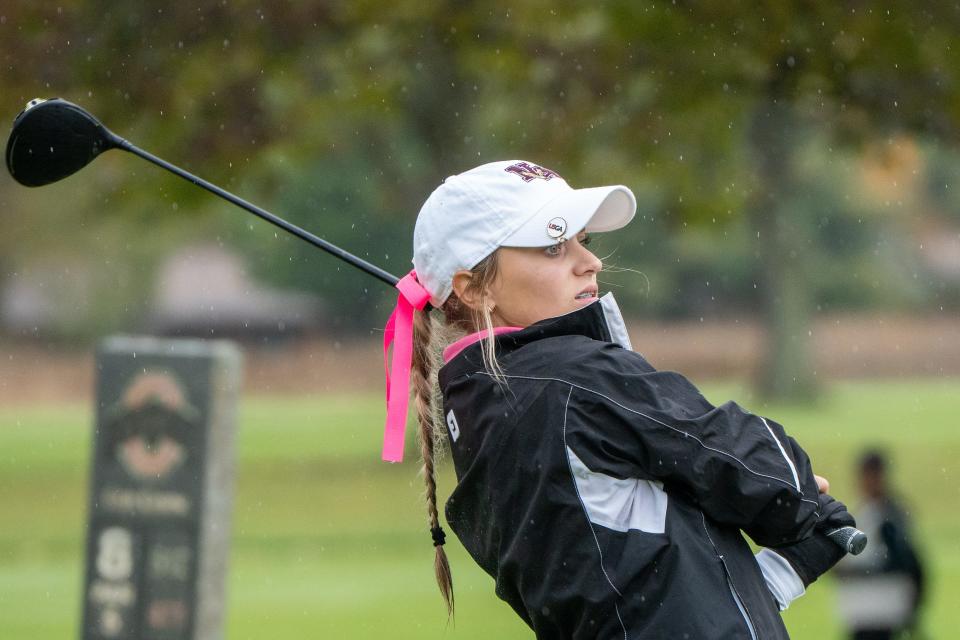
[(626, 419)]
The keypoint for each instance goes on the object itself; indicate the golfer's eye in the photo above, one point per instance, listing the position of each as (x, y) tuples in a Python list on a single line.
[(584, 239), (554, 250)]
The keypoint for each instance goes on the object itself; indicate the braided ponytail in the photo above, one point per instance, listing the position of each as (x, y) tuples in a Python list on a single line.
[(422, 379), (431, 332)]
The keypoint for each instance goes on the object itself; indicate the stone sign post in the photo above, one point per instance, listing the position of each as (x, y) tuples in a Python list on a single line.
[(161, 489)]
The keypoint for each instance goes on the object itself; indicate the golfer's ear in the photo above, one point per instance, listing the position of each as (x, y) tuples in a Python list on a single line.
[(467, 294)]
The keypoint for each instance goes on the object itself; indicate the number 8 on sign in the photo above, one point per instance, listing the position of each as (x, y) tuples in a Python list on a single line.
[(115, 554)]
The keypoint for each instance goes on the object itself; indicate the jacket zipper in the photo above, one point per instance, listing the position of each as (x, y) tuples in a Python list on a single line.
[(733, 589)]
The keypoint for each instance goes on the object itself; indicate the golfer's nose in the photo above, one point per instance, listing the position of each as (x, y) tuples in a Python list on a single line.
[(587, 262)]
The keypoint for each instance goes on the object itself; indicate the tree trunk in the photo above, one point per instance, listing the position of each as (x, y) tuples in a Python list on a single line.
[(786, 371)]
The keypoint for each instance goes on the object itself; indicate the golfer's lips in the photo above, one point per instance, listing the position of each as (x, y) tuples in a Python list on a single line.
[(590, 293)]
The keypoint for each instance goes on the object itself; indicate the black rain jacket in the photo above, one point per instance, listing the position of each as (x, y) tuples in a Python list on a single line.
[(606, 498)]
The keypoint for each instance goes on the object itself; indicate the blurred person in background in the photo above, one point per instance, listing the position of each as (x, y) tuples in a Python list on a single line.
[(880, 591)]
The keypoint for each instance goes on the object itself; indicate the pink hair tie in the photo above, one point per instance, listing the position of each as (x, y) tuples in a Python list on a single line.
[(399, 331)]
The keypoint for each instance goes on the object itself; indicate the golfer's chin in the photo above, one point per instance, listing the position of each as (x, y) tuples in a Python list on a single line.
[(575, 305)]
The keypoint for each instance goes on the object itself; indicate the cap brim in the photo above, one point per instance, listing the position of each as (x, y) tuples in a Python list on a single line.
[(594, 209)]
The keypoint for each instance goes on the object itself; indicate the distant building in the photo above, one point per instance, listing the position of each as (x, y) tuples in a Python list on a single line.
[(202, 291), (206, 290), (939, 245), (47, 299)]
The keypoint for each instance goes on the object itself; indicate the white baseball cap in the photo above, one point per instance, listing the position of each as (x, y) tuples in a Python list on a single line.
[(511, 203)]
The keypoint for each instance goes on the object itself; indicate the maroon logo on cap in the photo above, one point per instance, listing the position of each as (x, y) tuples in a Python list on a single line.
[(529, 171)]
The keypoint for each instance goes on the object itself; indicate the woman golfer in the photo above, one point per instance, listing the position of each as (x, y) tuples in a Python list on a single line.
[(605, 498)]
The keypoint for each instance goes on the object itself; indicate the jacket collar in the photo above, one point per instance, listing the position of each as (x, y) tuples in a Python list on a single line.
[(454, 349), (600, 320)]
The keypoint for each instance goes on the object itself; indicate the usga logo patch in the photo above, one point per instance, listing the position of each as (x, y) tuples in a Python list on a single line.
[(556, 228)]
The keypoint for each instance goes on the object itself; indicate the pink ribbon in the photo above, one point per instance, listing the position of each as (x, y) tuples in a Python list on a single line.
[(399, 331)]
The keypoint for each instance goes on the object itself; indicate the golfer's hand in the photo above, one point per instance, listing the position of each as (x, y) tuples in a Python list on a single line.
[(822, 483), (811, 557)]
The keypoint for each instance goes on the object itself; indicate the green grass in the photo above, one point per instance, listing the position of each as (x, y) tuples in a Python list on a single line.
[(330, 542)]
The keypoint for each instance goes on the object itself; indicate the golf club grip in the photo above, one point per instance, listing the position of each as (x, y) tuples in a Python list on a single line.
[(850, 539)]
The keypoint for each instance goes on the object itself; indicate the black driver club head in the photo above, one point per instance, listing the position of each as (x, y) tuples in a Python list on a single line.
[(52, 139)]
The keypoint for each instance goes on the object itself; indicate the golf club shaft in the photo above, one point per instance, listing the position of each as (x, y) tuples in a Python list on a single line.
[(320, 243)]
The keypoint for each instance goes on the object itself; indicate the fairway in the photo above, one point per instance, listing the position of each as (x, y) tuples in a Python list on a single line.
[(329, 542)]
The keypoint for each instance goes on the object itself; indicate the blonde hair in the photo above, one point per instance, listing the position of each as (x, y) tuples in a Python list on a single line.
[(431, 334)]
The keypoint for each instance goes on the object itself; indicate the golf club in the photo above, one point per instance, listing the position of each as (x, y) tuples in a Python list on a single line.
[(52, 139)]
